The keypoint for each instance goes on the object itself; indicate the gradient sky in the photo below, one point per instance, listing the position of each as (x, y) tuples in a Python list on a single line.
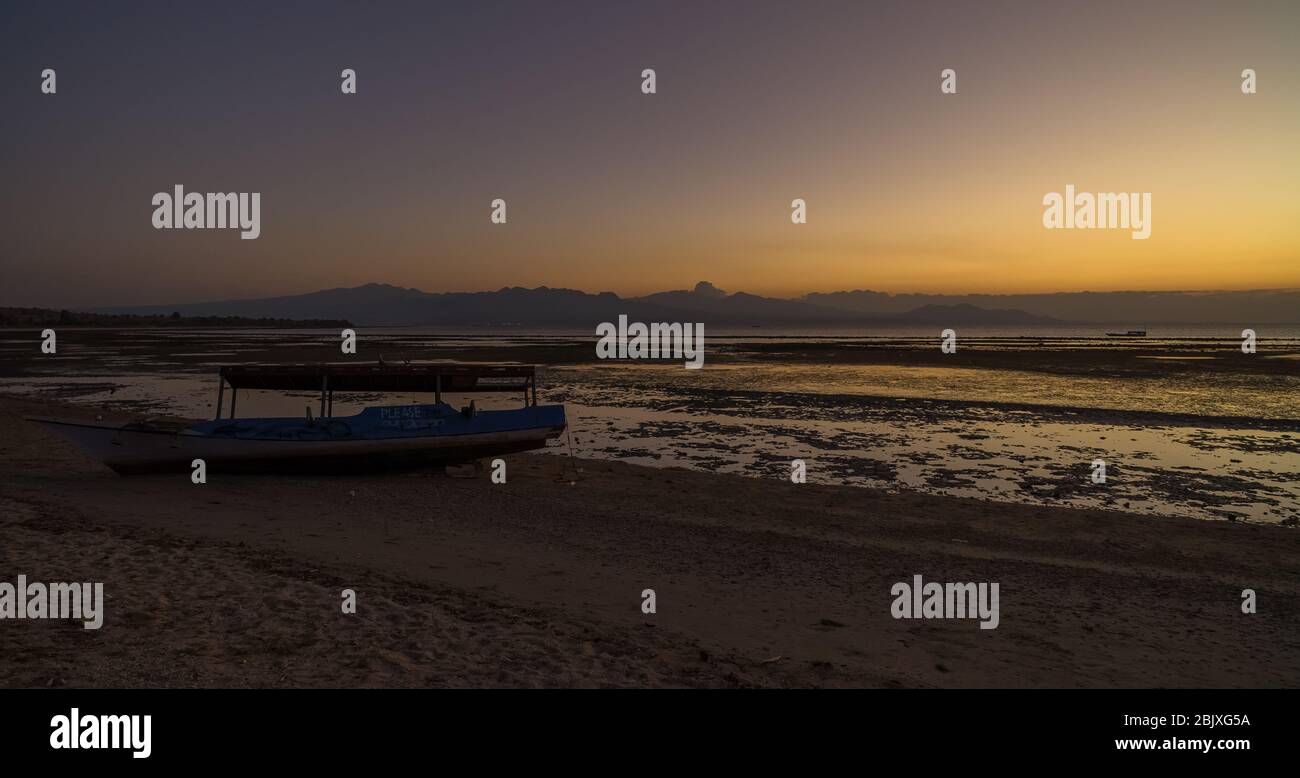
[(539, 103)]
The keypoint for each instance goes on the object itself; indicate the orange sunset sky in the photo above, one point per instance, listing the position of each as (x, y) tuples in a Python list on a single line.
[(908, 190)]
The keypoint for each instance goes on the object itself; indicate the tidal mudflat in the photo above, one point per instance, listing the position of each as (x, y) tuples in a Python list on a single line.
[(1186, 425)]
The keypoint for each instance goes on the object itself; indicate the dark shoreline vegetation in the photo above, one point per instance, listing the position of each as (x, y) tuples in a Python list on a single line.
[(32, 317)]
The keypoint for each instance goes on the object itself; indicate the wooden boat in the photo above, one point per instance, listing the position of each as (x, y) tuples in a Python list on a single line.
[(378, 437), (1129, 334)]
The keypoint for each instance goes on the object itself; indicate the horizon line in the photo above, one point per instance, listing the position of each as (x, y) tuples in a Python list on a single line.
[(726, 293)]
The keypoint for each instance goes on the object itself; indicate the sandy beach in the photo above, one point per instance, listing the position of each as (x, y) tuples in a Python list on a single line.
[(537, 582)]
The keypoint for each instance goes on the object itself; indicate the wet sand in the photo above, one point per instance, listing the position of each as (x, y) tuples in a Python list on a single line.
[(537, 582), (81, 350)]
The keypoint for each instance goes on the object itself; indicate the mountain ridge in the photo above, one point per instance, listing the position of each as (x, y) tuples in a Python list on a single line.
[(381, 304), (378, 304)]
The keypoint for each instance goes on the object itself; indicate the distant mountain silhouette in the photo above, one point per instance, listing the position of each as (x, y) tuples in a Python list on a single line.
[(708, 300), (383, 304)]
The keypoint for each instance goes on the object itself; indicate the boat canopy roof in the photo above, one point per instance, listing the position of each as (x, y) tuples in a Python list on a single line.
[(435, 377)]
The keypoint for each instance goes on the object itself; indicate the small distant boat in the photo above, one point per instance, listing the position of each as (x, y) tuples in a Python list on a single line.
[(381, 437), (1129, 334)]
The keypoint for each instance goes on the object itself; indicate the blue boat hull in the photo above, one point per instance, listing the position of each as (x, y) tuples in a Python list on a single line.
[(383, 438)]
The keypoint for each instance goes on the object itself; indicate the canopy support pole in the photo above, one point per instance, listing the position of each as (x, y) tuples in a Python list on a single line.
[(221, 395), (234, 395)]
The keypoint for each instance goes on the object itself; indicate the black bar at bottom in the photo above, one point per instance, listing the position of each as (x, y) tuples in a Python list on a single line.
[(330, 727)]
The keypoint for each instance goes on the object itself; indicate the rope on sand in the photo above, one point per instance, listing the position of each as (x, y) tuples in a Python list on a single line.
[(573, 477)]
